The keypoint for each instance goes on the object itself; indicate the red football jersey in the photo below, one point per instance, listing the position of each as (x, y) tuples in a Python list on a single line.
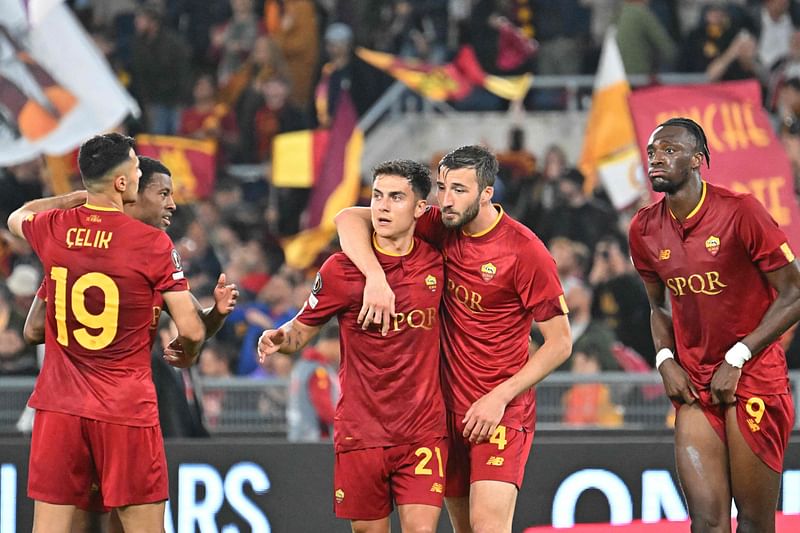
[(390, 386), (713, 267), (103, 270), (498, 282)]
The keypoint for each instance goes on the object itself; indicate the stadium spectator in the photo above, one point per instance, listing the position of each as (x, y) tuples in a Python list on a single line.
[(294, 26), (233, 41), (644, 43), (314, 389), (619, 296), (160, 70)]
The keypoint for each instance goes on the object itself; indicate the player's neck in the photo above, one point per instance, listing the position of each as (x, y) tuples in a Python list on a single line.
[(687, 199), (396, 245), (102, 199), (485, 220)]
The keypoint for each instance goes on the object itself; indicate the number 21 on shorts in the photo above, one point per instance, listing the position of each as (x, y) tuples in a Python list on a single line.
[(422, 468)]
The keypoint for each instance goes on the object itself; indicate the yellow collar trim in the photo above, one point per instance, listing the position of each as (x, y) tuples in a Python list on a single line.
[(694, 211), (387, 252), (490, 228), (100, 208)]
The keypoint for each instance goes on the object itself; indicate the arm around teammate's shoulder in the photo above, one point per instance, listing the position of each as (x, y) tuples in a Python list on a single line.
[(64, 201)]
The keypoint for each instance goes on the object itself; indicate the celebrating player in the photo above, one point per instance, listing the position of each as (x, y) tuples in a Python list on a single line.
[(734, 288), (389, 429), (97, 422), (499, 277)]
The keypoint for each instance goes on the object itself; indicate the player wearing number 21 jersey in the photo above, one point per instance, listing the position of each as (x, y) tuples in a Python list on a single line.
[(389, 427)]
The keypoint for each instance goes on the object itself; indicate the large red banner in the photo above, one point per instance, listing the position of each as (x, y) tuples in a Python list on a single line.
[(746, 156)]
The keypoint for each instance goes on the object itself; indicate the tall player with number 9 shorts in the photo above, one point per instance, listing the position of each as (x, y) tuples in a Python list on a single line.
[(734, 288)]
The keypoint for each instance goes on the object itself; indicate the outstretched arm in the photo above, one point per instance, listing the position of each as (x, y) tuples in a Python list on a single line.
[(288, 338), (783, 312), (64, 201), (676, 381), (485, 414), (354, 225), (225, 296)]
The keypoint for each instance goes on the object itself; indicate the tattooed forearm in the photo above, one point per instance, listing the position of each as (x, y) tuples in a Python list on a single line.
[(294, 341)]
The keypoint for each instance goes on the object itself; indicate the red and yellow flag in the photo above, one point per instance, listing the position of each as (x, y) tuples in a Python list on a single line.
[(450, 81), (297, 157), (193, 163), (336, 186)]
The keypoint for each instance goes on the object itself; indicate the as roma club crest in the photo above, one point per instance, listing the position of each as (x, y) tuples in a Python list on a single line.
[(430, 282), (488, 271), (712, 245)]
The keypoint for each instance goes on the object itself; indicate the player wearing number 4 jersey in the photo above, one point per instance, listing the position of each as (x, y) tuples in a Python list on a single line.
[(734, 288), (389, 428), (499, 279), (97, 421)]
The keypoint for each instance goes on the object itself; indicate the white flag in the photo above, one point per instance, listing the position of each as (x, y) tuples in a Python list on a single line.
[(56, 88)]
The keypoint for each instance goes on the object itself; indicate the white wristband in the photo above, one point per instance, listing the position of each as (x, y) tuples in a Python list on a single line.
[(662, 355), (738, 355)]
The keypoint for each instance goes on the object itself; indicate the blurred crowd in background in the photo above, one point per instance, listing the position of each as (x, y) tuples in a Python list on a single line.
[(242, 71)]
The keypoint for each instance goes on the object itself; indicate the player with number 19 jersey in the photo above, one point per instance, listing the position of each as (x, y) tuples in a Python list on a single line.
[(102, 269)]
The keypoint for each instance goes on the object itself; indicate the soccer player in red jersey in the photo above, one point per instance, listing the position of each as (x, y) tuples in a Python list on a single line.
[(734, 288), (389, 429), (500, 278), (97, 422), (154, 206)]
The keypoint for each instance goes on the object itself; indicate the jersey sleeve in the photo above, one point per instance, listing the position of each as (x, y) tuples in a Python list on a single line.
[(36, 227), (765, 242), (166, 270), (639, 254), (42, 292), (537, 282), (429, 227), (329, 295)]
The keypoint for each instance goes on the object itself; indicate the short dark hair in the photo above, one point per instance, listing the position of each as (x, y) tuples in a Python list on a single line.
[(476, 157), (101, 154), (700, 141), (418, 175), (150, 166)]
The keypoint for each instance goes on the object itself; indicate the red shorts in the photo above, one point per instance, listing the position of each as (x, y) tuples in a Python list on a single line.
[(764, 420), (502, 458), (367, 481), (74, 460)]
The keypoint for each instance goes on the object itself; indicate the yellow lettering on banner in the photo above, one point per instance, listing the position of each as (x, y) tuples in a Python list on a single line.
[(732, 127), (738, 129), (758, 136), (768, 192)]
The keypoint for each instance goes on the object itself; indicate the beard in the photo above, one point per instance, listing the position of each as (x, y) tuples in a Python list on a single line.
[(667, 187), (466, 217)]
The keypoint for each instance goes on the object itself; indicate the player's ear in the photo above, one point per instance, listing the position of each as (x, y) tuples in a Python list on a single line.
[(420, 208), (487, 194), (121, 183), (697, 160)]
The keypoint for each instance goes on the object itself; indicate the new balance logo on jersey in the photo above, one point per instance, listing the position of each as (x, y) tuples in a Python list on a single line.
[(753, 425), (437, 487), (663, 255), (495, 460)]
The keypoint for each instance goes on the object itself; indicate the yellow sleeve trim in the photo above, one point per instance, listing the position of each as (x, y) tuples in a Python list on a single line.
[(787, 252), (563, 303)]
